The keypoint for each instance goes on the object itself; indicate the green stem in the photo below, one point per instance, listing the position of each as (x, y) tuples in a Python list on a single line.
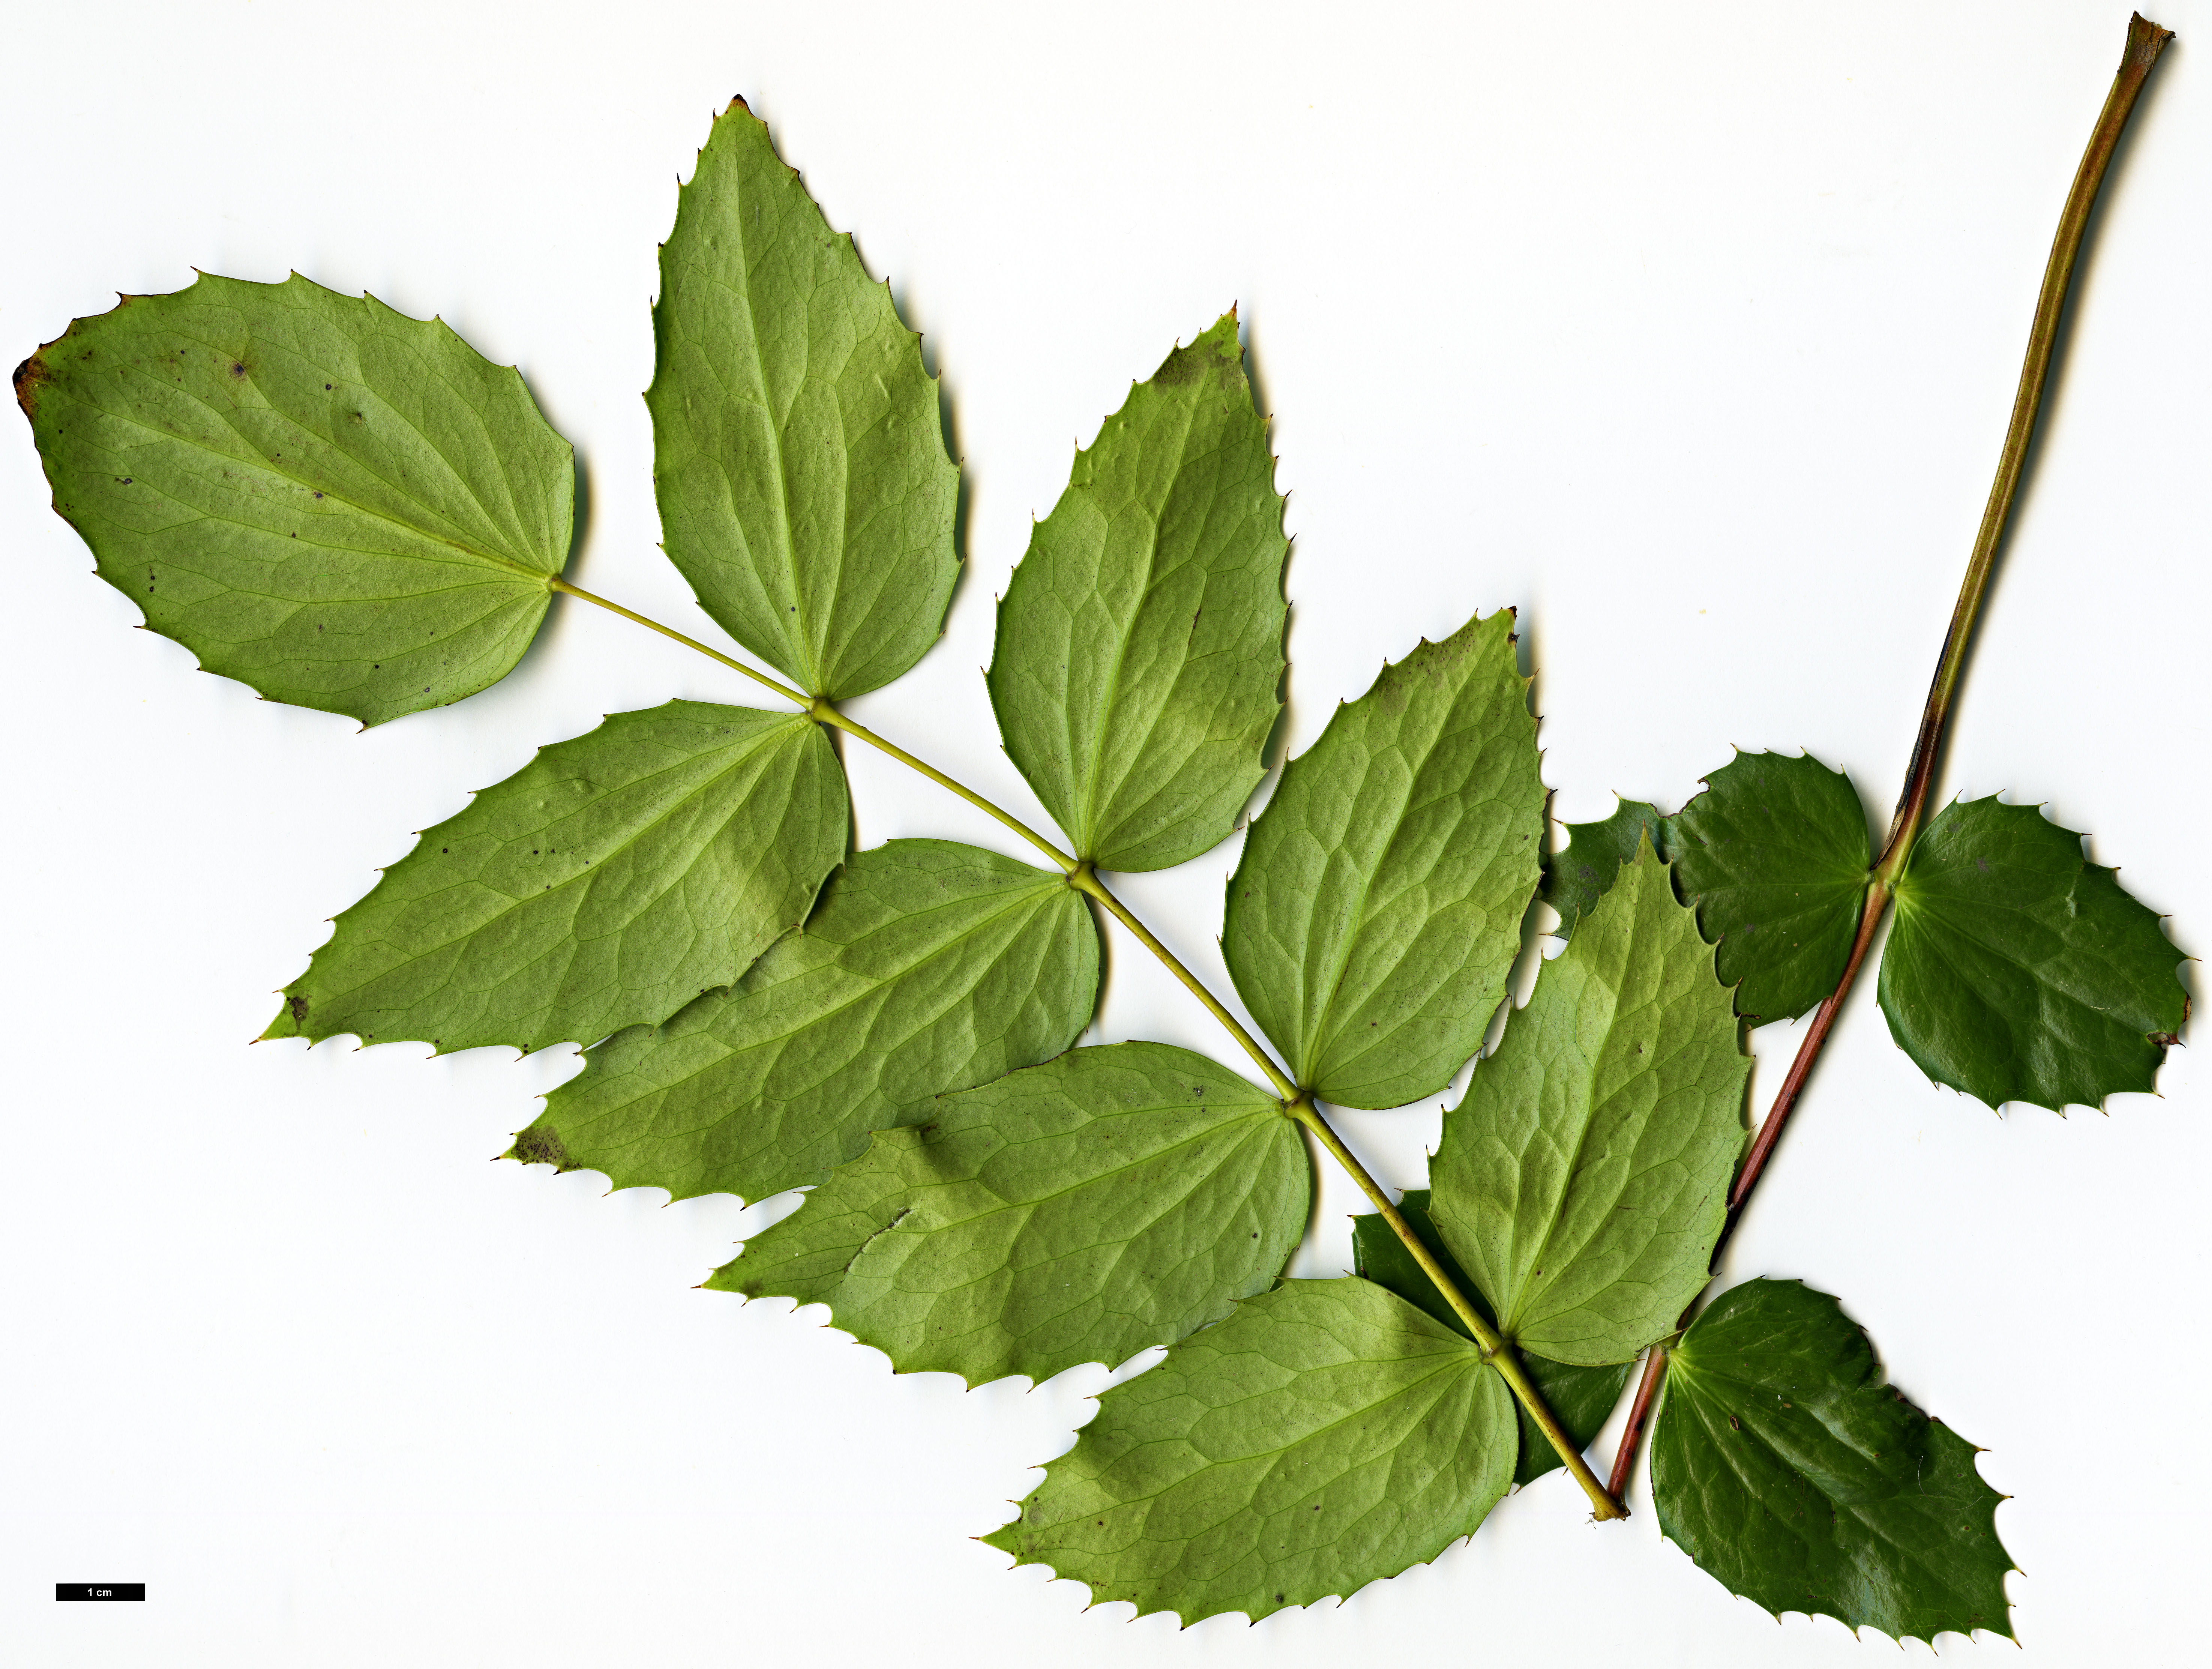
[(1493, 1345), (1086, 879), (2146, 41), (1298, 1103), (758, 677), (829, 715), (826, 713)]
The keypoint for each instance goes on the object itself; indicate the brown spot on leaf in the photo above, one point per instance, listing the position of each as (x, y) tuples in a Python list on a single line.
[(540, 1145), (295, 1002)]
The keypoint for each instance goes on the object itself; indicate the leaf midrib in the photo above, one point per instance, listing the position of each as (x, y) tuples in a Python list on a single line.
[(1088, 811), (803, 639), (1710, 1410), (1595, 1107), (1314, 1040), (412, 427), (590, 873), (537, 576), (1028, 898)]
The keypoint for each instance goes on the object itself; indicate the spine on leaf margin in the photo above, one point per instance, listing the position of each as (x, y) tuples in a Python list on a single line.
[(2146, 41)]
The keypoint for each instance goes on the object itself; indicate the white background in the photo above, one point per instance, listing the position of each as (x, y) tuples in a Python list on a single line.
[(1688, 330)]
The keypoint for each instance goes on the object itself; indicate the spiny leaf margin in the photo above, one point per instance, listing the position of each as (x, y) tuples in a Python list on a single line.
[(338, 506), (929, 965), (687, 837), (1138, 651), (1239, 1474)]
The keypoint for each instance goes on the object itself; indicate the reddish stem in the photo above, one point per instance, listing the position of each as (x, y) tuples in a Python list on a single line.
[(1639, 1415), (2146, 41)]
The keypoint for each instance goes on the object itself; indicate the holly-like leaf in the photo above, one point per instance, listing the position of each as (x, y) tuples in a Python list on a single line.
[(336, 505), (928, 966), (1793, 1474), (1376, 910), (1581, 1397), (2018, 971), (1139, 645), (608, 882), (1577, 878), (798, 459), (1583, 1179), (1325, 1436), (1082, 1210), (1775, 854)]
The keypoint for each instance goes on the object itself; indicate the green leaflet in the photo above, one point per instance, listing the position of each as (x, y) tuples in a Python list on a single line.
[(1583, 1179), (608, 881), (1376, 910), (1325, 1436), (336, 505), (1577, 878), (1785, 1467), (798, 460), (1139, 645), (1775, 854), (928, 966), (1581, 1397), (2017, 970), (1082, 1210)]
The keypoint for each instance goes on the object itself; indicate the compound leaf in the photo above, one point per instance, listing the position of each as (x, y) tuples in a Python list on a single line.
[(929, 965), (1775, 854), (1082, 1210), (799, 459), (2018, 971), (1376, 910), (338, 506), (1785, 1467), (1576, 878), (1139, 645), (1325, 1436), (608, 881), (1581, 1397), (1583, 1178)]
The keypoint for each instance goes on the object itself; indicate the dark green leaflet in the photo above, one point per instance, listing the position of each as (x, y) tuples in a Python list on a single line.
[(1785, 1467), (2018, 971)]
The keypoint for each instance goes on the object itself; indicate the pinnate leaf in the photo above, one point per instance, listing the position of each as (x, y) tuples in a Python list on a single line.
[(1583, 1179), (1082, 1210), (799, 459), (1376, 910), (1581, 1397), (1325, 1436), (608, 882), (1577, 877), (1139, 643), (1775, 854), (336, 505), (1785, 1467), (2018, 971), (929, 965)]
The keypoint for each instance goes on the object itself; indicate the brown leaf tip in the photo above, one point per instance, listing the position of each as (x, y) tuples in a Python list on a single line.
[(31, 375)]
